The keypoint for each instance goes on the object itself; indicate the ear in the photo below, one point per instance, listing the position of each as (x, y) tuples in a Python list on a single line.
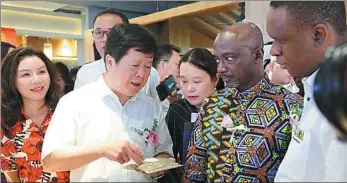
[(319, 34), (216, 80), (109, 62), (161, 64), (259, 54)]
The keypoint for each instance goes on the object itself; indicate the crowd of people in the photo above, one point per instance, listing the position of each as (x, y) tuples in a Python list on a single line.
[(247, 120)]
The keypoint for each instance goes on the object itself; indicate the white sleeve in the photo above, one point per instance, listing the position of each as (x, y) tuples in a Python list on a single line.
[(61, 132), (164, 139), (335, 160)]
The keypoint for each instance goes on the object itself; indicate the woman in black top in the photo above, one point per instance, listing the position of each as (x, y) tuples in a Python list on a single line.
[(198, 80)]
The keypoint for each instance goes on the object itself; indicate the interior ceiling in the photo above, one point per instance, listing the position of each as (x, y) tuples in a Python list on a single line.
[(46, 6), (79, 7), (208, 24), (211, 23)]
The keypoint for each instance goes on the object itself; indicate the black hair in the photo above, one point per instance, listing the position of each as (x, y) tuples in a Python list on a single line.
[(113, 12), (123, 37), (314, 12), (97, 55), (165, 52), (73, 73), (11, 99), (202, 59), (65, 75), (5, 47)]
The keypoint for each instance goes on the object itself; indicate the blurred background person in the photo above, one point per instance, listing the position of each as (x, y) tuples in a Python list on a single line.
[(5, 49), (29, 97), (166, 62), (279, 76), (73, 73), (64, 79)]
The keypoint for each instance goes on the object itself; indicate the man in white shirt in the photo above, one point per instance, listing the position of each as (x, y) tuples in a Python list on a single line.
[(97, 128), (167, 63), (302, 32), (103, 22)]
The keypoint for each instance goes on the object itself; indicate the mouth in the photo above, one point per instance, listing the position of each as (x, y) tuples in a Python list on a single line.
[(137, 85), (37, 89), (192, 97)]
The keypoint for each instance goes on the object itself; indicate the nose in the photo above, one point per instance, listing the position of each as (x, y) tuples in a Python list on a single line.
[(191, 87), (221, 68), (275, 49), (36, 79), (104, 37), (140, 72)]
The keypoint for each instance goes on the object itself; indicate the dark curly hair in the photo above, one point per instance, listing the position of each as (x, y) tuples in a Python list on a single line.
[(11, 100)]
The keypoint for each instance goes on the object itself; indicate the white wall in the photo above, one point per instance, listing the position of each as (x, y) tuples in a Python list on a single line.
[(255, 11)]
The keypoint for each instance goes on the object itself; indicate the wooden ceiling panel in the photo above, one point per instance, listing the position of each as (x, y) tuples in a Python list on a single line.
[(204, 28), (212, 22), (198, 8)]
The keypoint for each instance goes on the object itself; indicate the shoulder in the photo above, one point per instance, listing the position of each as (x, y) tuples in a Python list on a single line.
[(177, 103), (80, 95), (93, 66), (287, 95)]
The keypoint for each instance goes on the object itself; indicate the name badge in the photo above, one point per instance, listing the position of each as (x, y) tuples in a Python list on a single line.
[(298, 134), (194, 117), (294, 119)]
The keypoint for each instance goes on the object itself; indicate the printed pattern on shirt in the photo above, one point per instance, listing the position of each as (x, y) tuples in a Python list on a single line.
[(23, 152), (249, 154)]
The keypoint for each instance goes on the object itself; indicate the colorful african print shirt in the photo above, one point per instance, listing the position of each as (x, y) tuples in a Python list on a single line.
[(250, 151), (23, 152)]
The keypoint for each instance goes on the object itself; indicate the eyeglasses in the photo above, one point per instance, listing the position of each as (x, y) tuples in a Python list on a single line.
[(98, 34)]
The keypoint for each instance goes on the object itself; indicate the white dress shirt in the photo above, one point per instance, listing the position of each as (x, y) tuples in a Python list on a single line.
[(319, 156), (91, 72), (92, 115)]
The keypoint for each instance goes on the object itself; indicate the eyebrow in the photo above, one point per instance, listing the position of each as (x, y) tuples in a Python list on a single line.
[(228, 53), (26, 70)]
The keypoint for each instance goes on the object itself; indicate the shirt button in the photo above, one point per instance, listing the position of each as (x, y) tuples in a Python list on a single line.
[(308, 99)]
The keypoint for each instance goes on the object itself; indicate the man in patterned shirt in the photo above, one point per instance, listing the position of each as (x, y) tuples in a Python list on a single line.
[(243, 131)]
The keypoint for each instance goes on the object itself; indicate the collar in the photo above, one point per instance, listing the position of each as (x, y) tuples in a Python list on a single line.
[(310, 79), (264, 83), (31, 126), (106, 91)]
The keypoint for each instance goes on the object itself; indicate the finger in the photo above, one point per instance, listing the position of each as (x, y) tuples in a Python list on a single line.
[(135, 154), (119, 160), (158, 175), (125, 157), (174, 93), (171, 159)]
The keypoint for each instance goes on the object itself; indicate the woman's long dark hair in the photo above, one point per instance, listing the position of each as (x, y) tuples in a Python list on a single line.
[(11, 100), (65, 75)]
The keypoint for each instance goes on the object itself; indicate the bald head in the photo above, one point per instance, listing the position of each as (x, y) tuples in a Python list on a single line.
[(239, 49), (244, 32)]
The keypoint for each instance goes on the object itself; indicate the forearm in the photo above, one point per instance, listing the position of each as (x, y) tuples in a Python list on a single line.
[(63, 160), (12, 176)]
